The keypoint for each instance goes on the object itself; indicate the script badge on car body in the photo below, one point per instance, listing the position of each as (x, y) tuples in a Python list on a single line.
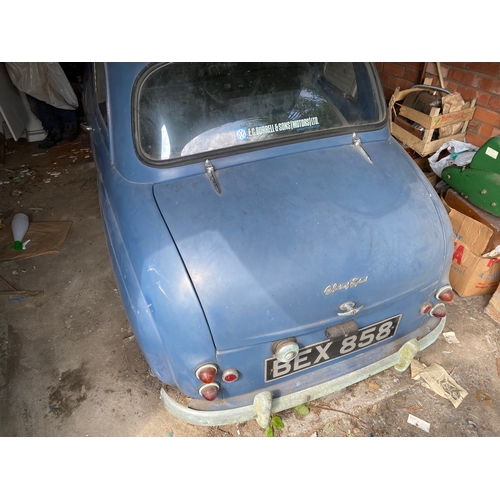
[(344, 286)]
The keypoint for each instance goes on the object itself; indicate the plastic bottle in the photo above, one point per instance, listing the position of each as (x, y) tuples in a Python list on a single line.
[(20, 224)]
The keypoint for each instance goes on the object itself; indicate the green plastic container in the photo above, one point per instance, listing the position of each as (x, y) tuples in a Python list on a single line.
[(480, 187), (487, 156)]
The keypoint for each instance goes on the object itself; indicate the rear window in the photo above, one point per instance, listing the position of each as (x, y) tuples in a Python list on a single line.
[(184, 109)]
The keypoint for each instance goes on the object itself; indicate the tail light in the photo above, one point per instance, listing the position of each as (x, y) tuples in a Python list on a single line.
[(206, 373), (426, 308), (438, 311), (209, 391), (230, 375), (445, 294)]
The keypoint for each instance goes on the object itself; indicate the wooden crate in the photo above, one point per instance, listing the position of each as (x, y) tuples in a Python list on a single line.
[(425, 146)]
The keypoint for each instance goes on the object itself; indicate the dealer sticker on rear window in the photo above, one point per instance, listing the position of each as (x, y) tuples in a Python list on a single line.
[(327, 350)]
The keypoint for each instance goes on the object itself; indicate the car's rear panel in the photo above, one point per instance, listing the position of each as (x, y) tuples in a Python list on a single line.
[(251, 362), (292, 239)]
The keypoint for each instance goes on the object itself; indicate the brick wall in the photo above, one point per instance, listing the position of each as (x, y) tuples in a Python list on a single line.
[(474, 80)]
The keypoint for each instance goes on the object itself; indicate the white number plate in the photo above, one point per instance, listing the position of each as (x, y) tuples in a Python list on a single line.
[(322, 352)]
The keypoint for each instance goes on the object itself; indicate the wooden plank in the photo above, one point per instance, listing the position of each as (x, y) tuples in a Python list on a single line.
[(416, 116), (437, 121), (407, 126), (423, 79), (451, 118), (428, 132), (401, 94), (406, 138), (493, 311), (420, 146), (466, 124), (433, 146)]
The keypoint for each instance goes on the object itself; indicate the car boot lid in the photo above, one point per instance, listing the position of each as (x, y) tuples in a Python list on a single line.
[(274, 247)]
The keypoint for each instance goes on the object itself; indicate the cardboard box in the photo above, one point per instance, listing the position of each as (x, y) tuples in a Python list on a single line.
[(471, 274), (493, 311), (454, 200)]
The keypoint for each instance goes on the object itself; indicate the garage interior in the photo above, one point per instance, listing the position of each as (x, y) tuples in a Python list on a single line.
[(69, 362)]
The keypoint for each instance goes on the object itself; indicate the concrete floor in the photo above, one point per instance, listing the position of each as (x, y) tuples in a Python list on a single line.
[(70, 365)]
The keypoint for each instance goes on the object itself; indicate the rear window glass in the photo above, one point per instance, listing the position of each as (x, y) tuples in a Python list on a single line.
[(184, 109)]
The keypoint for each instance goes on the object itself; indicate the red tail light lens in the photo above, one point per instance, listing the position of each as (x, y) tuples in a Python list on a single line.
[(206, 373), (230, 375), (425, 309), (445, 294), (438, 311), (209, 391)]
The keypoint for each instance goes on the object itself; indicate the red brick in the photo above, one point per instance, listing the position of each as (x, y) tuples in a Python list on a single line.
[(384, 78), (486, 130), (496, 131), (431, 68), (412, 75), (394, 69), (465, 77), (490, 85), (474, 139), (395, 82), (487, 116), (451, 86), (482, 99), (488, 68), (419, 66), (468, 93), (494, 103), (389, 87), (445, 70), (459, 64), (388, 93), (403, 84), (473, 126), (379, 66)]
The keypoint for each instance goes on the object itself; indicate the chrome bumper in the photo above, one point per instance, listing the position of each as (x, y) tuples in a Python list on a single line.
[(264, 405)]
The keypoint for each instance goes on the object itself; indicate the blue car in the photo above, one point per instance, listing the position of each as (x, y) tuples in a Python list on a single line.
[(272, 243)]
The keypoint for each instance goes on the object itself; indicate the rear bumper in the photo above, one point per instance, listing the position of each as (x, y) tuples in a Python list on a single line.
[(264, 405)]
